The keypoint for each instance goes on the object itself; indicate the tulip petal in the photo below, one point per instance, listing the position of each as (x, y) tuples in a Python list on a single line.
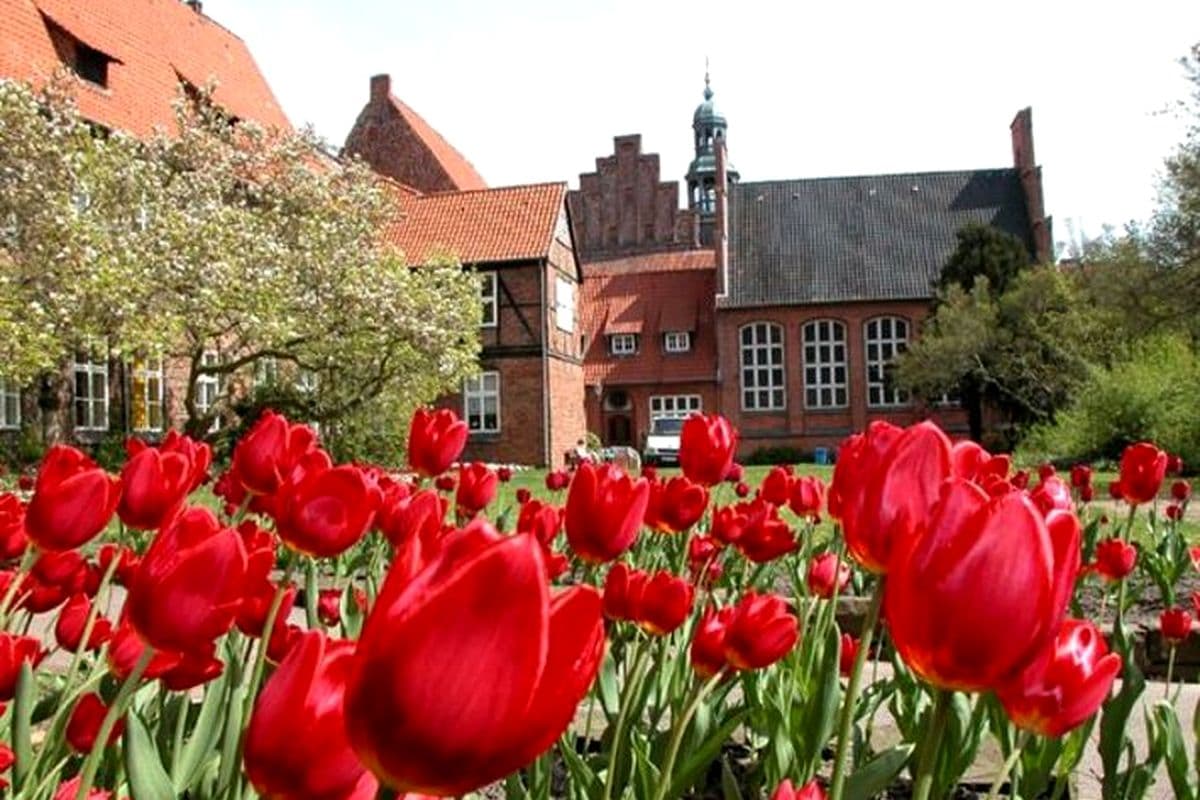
[(1065, 535), (451, 652)]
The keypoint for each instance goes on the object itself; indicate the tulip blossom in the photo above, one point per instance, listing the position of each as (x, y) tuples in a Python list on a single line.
[(765, 536), (266, 455), (306, 694), (809, 791), (326, 511), (403, 516), (557, 480), (329, 606), (83, 726), (126, 648), (675, 505), (504, 473), (189, 585), (7, 759), (1143, 469), (1181, 491), (73, 500), (736, 473), (1063, 685), (15, 651), (827, 575), (192, 670), (69, 790), (1174, 512), (707, 444), (1175, 624), (1081, 476), (444, 483), (435, 441), (417, 713), (761, 631), (707, 651), (665, 604), (776, 487), (72, 619), (1115, 559), (127, 562), (605, 508), (476, 488), (1175, 464), (847, 653), (983, 565), (742, 489), (1051, 494), (623, 589), (807, 498), (729, 523), (13, 541), (154, 486), (523, 495)]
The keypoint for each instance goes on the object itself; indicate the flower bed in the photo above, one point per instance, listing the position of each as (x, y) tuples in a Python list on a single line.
[(339, 632)]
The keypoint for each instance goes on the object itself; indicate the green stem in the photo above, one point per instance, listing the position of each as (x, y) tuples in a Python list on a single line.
[(1170, 673), (1009, 763), (632, 679), (14, 586), (933, 738), (114, 713), (679, 728), (850, 701)]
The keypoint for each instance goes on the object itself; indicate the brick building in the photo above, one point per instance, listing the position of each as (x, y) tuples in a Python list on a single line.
[(779, 304), (526, 403), (127, 62)]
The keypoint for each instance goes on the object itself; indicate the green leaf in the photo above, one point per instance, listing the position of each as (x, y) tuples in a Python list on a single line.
[(147, 778), (205, 735), (583, 779), (1175, 750), (872, 778), (823, 706), (729, 783), (352, 615), (695, 765), (1114, 720), (230, 741), (23, 703), (610, 697)]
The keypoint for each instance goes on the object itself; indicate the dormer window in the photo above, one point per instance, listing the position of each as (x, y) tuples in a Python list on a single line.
[(622, 344), (84, 60), (677, 341)]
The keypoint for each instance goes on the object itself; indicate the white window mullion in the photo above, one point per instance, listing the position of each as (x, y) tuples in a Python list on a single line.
[(481, 402)]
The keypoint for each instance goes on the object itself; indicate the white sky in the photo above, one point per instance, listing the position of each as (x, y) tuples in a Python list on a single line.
[(534, 90)]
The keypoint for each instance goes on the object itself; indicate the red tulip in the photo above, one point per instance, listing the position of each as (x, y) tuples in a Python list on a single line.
[(504, 473), (127, 562), (193, 669), (1046, 470), (666, 603), (605, 508), (809, 791), (702, 550), (306, 694), (707, 444), (623, 589), (190, 583), (444, 483), (1065, 684), (1087, 493), (859, 457), (1174, 512), (69, 790), (1115, 559), (1181, 490), (7, 759), (707, 651), (327, 511), (557, 480), (266, 455), (476, 488), (1052, 493), (765, 536), (402, 517), (1081, 476), (83, 726), (736, 473), (776, 487), (847, 654), (15, 651), (742, 489), (126, 648), (971, 461), (1143, 468), (544, 521), (1115, 491), (761, 631), (72, 619), (154, 487), (827, 575), (435, 440), (808, 496), (984, 564), (72, 502), (523, 495), (1175, 464), (417, 713), (13, 541), (729, 523), (329, 606), (675, 505), (1175, 624)]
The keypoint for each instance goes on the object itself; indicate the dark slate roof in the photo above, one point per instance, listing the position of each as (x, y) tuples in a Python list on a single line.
[(871, 237)]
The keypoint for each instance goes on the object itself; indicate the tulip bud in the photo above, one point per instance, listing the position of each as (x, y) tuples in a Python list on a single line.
[(1115, 559), (847, 654), (435, 441), (776, 487), (1143, 468), (604, 511), (476, 488), (73, 500), (83, 726), (1175, 624), (675, 505), (1181, 490), (827, 575), (267, 454), (761, 631), (707, 444)]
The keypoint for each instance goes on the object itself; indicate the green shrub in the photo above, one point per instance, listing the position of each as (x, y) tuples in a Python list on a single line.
[(1151, 395), (776, 455)]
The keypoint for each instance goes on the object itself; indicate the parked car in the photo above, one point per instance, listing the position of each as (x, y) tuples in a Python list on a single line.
[(662, 442)]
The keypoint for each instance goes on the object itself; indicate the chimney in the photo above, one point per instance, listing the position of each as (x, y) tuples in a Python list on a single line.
[(195, 5), (721, 221), (381, 87), (1030, 175)]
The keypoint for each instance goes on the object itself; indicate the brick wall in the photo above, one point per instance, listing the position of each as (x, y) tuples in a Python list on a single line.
[(568, 423), (796, 426), (519, 312), (599, 418), (520, 439)]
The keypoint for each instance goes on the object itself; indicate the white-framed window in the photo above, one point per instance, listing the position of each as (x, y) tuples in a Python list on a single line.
[(946, 400), (208, 387), (564, 304), (91, 391), (487, 297), (674, 406), (10, 403), (481, 402), (677, 341), (622, 344), (885, 338), (146, 395), (266, 371), (825, 367), (762, 367)]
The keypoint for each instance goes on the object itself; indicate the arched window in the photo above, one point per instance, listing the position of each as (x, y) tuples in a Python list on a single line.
[(762, 367), (825, 364), (885, 338)]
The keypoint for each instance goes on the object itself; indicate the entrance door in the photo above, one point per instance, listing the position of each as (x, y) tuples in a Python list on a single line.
[(620, 431)]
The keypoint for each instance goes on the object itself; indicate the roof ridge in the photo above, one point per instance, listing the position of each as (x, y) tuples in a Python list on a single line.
[(862, 176), (441, 141), (511, 187)]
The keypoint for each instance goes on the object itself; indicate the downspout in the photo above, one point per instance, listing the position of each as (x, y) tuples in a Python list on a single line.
[(546, 416)]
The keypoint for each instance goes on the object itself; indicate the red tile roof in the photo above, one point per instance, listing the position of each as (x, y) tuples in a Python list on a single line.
[(650, 295), (511, 223), (153, 44), (459, 170)]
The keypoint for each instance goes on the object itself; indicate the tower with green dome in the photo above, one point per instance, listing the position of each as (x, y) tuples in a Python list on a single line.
[(708, 125)]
